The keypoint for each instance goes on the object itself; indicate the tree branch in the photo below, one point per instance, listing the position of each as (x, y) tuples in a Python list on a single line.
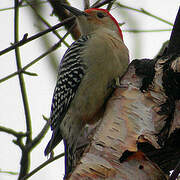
[(26, 39), (110, 4), (45, 22), (144, 12), (175, 173), (86, 4), (25, 5), (12, 132), (144, 31), (63, 14), (9, 172), (23, 70), (42, 165), (21, 79), (99, 4), (25, 158), (39, 137)]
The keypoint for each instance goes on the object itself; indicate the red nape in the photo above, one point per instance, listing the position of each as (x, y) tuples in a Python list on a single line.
[(106, 11)]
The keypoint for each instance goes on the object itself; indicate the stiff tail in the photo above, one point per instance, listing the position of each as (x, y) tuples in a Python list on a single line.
[(68, 159), (54, 141)]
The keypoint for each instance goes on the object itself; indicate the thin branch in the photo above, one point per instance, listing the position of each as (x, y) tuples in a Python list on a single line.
[(42, 165), (94, 5), (63, 14), (19, 143), (45, 118), (15, 73), (25, 5), (12, 132), (110, 5), (26, 40), (25, 158), (142, 31), (30, 73), (45, 22), (86, 4), (176, 172), (54, 47), (156, 17), (144, 12), (39, 137), (9, 172), (51, 49), (21, 78), (99, 4), (8, 77)]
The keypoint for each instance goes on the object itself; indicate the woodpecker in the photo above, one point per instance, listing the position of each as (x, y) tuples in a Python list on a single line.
[(86, 72)]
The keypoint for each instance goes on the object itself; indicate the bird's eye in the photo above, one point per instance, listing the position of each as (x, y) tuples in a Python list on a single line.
[(100, 15)]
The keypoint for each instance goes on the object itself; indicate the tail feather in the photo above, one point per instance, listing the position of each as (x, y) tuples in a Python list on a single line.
[(54, 141)]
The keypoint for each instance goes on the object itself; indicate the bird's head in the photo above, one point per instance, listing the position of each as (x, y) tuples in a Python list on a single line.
[(92, 19)]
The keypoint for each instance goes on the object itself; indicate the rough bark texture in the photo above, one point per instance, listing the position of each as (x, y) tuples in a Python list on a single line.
[(132, 140)]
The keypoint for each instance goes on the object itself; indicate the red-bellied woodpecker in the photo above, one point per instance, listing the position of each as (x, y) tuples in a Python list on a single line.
[(86, 71)]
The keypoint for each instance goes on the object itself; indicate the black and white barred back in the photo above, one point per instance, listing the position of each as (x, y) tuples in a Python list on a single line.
[(71, 71)]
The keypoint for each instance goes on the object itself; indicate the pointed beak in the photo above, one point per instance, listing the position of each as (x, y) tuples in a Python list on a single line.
[(74, 11)]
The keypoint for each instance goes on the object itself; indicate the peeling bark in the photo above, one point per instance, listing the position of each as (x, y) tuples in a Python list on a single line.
[(132, 122), (130, 117)]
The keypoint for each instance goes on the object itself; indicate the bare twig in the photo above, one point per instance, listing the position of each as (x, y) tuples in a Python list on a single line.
[(39, 137), (8, 172), (149, 30), (51, 49), (21, 79), (8, 77), (12, 132), (99, 4), (63, 14), (176, 172), (26, 40), (25, 158), (29, 73), (110, 5), (86, 4), (144, 12), (42, 165), (45, 22), (45, 118), (19, 143), (25, 5), (94, 5), (15, 73)]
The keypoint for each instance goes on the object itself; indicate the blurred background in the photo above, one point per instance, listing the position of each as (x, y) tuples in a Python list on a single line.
[(143, 35)]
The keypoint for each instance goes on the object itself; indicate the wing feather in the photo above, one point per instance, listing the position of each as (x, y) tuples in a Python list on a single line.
[(71, 71)]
